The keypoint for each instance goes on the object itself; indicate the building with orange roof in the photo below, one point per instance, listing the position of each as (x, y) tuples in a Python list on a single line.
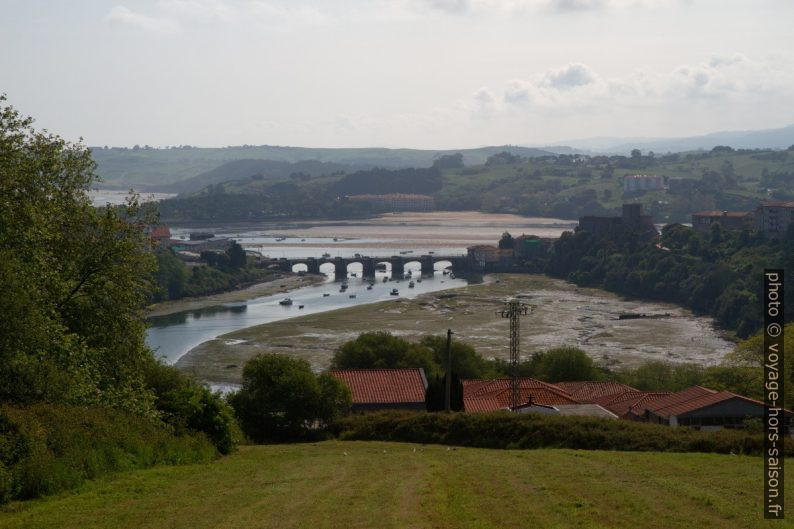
[(385, 389)]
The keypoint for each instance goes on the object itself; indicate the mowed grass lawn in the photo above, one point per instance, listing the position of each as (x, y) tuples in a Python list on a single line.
[(383, 485)]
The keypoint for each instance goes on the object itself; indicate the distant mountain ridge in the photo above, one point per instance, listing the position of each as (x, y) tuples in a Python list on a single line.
[(148, 169), (779, 138)]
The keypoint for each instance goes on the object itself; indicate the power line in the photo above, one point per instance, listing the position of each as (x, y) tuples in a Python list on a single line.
[(513, 310)]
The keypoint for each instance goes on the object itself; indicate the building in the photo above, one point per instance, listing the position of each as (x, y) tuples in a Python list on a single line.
[(631, 219), (488, 257), (729, 220), (396, 201), (385, 389), (642, 182), (494, 395), (590, 392), (160, 235), (706, 409), (774, 217)]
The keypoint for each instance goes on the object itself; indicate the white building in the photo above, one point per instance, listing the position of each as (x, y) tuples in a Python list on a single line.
[(642, 182)]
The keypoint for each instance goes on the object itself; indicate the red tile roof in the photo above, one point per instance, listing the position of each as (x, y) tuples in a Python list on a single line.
[(160, 232), (588, 392), (631, 402), (384, 385), (491, 395), (674, 399)]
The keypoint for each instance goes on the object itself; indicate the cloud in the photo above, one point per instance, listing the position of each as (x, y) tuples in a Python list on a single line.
[(570, 76), (199, 9), (576, 5), (576, 87), (123, 15), (547, 6)]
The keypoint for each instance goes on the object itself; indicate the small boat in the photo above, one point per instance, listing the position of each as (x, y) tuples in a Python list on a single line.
[(451, 275), (326, 294), (326, 255), (303, 240), (357, 255), (385, 279), (369, 287), (336, 239), (351, 296), (445, 272), (394, 292), (431, 253), (285, 302), (353, 274), (419, 280), (300, 306), (411, 284)]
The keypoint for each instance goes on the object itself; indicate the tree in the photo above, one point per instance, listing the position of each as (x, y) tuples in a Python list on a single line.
[(449, 161), (236, 255), (565, 364), (506, 242), (466, 361), (436, 394), (282, 400), (75, 278), (381, 350)]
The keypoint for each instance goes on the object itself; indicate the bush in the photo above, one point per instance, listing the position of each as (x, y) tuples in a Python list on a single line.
[(47, 448), (282, 400), (187, 405), (506, 430)]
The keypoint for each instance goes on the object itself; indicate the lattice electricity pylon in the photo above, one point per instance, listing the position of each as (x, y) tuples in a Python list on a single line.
[(513, 309)]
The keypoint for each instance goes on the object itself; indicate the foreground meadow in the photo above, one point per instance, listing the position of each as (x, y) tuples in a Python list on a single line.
[(394, 485)]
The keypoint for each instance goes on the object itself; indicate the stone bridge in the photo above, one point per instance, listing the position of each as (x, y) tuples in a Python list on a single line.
[(368, 264)]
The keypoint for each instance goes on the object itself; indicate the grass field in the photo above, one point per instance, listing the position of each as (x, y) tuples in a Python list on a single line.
[(394, 485)]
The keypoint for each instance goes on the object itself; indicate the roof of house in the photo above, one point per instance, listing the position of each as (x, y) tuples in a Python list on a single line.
[(631, 402), (704, 401), (384, 385), (491, 395), (585, 410), (658, 406), (160, 232), (591, 391)]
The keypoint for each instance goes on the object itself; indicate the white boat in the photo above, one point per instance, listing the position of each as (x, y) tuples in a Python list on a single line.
[(285, 302)]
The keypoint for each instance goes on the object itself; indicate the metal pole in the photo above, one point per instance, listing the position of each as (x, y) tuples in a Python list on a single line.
[(513, 309), (448, 389)]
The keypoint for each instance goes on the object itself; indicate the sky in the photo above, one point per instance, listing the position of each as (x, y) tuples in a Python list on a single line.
[(395, 73)]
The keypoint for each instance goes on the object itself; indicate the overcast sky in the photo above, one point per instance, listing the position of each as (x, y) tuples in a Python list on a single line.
[(399, 73)]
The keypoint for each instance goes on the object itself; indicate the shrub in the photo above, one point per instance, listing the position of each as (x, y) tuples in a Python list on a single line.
[(188, 405), (47, 448), (506, 430)]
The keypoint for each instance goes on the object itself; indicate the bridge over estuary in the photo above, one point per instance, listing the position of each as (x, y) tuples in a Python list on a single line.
[(369, 264)]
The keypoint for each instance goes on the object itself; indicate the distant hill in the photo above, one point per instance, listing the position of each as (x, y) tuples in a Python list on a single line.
[(147, 169), (748, 139), (253, 169)]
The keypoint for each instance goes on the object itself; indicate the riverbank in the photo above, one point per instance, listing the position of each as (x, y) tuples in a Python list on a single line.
[(563, 314), (280, 283)]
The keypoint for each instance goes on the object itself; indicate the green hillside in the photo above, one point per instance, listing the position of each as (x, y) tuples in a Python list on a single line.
[(143, 168), (391, 485), (564, 186)]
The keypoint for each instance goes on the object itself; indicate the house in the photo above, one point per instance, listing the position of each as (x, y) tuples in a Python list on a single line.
[(706, 409), (631, 219), (774, 216), (160, 235), (729, 220), (590, 392), (385, 389), (493, 395), (488, 257), (642, 182), (531, 245)]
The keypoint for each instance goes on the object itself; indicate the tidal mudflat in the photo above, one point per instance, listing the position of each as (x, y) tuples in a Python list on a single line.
[(562, 314)]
